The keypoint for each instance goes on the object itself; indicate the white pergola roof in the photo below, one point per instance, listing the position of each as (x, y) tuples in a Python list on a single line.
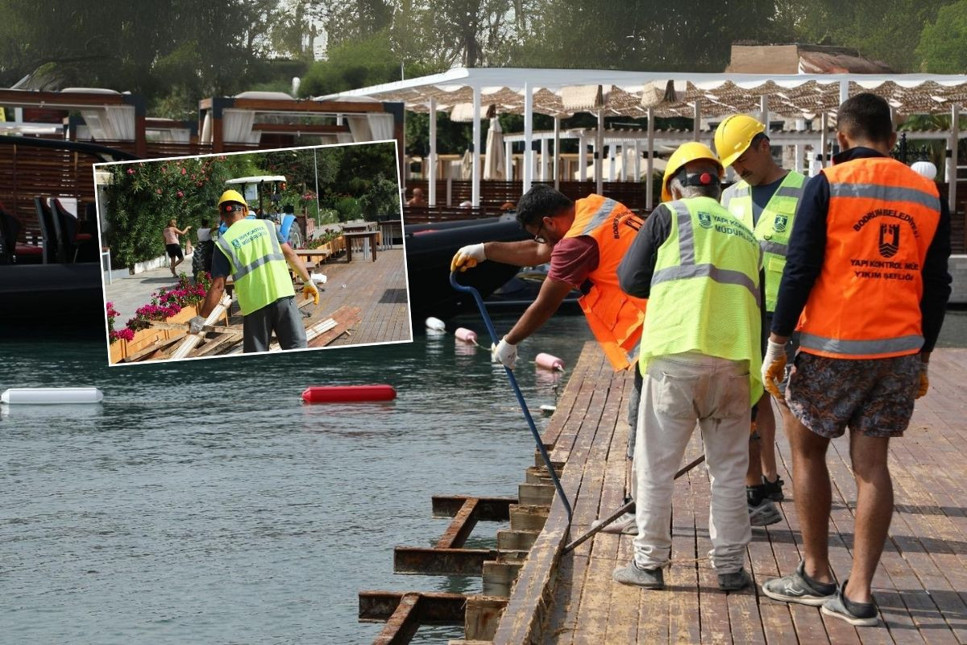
[(469, 93), (563, 92)]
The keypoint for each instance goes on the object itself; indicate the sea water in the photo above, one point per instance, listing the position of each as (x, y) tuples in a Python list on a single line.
[(203, 502)]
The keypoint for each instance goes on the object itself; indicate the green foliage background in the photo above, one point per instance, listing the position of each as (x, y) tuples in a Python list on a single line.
[(357, 181)]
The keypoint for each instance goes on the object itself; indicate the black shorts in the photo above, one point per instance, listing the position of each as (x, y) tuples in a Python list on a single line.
[(174, 251)]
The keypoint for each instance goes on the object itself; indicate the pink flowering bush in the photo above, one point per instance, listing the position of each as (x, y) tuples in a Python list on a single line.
[(164, 304), (115, 334)]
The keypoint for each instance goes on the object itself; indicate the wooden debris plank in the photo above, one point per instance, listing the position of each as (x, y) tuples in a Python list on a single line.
[(345, 317), (192, 340), (151, 351), (219, 344)]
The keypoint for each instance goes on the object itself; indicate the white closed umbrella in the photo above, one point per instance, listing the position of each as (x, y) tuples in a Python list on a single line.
[(494, 167)]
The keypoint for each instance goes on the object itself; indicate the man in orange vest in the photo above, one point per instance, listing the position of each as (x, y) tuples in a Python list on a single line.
[(871, 236), (584, 242)]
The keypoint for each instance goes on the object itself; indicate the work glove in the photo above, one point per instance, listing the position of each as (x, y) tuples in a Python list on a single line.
[(774, 368), (504, 353), (924, 381), (196, 324), (310, 290), (468, 257)]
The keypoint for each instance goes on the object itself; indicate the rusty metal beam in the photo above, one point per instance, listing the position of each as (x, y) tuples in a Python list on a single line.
[(462, 562), (437, 608), (489, 509), (461, 527)]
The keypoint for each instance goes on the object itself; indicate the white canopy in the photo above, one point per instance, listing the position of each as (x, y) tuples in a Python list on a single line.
[(563, 92)]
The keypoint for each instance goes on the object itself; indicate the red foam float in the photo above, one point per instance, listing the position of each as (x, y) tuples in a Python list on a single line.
[(348, 393)]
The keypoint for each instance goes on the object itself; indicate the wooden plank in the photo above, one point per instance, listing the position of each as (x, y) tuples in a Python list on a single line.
[(435, 607), (440, 561), (489, 509)]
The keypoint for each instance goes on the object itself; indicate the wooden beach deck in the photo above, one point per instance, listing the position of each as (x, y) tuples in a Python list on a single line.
[(920, 586)]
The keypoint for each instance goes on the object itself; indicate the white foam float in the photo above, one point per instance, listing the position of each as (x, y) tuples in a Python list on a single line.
[(51, 395), (435, 324)]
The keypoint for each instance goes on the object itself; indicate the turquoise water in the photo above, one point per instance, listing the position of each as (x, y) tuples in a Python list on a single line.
[(203, 502)]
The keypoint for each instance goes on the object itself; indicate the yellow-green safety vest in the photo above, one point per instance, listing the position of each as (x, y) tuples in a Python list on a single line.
[(705, 290), (258, 264), (774, 225)]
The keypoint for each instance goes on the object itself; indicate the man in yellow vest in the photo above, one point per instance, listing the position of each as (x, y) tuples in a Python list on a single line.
[(866, 278), (699, 267), (764, 199), (253, 252), (583, 241)]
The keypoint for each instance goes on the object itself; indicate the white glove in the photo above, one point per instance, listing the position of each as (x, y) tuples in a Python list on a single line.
[(774, 367), (196, 324), (504, 353), (468, 257)]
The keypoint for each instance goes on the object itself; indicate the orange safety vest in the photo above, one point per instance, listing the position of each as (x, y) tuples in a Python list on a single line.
[(881, 219), (615, 317)]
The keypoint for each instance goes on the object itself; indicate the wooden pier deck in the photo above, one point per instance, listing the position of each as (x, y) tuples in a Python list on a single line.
[(920, 586)]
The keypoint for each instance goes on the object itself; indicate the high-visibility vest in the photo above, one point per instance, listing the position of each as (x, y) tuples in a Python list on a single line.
[(705, 290), (881, 219), (774, 225), (258, 265), (615, 318)]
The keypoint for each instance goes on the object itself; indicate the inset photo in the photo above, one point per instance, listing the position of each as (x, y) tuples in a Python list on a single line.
[(252, 252)]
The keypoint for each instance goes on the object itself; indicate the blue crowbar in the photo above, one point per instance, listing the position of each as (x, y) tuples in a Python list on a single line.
[(520, 397)]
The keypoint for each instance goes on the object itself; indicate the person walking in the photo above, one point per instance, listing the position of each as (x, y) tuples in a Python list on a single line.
[(866, 277), (583, 241), (253, 252), (700, 268), (764, 199), (171, 236)]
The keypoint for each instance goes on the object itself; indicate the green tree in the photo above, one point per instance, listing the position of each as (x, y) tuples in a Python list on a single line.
[(943, 43), (885, 30)]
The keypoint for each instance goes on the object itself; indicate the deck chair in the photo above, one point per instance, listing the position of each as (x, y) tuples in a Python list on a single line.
[(53, 241), (77, 245)]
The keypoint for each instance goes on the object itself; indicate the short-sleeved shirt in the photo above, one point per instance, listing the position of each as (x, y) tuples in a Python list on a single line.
[(222, 268), (573, 259)]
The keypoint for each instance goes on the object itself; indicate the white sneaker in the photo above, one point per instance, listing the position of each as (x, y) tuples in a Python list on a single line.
[(624, 525)]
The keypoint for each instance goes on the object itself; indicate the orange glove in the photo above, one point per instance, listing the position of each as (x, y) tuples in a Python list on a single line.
[(924, 381), (774, 368), (310, 290)]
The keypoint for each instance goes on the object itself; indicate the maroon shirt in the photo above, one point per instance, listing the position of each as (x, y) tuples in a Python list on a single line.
[(573, 259)]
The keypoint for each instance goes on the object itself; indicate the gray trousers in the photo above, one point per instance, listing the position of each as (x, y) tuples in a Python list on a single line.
[(283, 317)]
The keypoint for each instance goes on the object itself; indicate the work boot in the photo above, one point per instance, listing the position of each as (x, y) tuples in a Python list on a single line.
[(773, 490), (734, 581), (632, 574), (762, 511)]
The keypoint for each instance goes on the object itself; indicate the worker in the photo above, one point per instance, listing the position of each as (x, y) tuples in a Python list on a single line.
[(699, 267), (253, 252), (583, 241), (866, 277), (764, 199)]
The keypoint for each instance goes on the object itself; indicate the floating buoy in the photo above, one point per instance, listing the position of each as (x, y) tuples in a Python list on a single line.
[(466, 335), (548, 409), (549, 362), (435, 324), (51, 395), (348, 393)]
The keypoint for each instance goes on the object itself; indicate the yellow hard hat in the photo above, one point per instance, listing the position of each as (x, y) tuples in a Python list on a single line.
[(734, 135), (687, 152), (232, 196)]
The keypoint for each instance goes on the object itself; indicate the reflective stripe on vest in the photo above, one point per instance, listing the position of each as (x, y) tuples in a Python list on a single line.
[(615, 318), (773, 227), (688, 268), (260, 273), (705, 290), (880, 222)]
